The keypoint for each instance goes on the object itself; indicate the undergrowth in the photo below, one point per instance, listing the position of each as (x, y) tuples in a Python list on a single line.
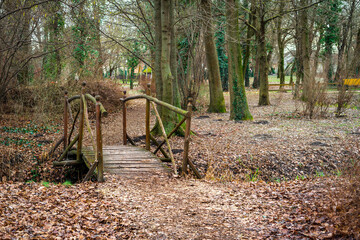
[(45, 100)]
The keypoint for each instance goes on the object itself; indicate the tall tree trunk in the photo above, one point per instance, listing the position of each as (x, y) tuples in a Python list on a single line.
[(217, 102), (173, 59), (80, 34), (298, 64), (281, 45), (256, 81), (249, 34), (328, 68), (316, 57), (167, 115), (305, 53), (263, 68), (239, 109), (292, 73), (53, 36), (157, 68), (24, 52)]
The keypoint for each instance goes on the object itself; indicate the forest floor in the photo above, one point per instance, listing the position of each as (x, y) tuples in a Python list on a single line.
[(279, 176)]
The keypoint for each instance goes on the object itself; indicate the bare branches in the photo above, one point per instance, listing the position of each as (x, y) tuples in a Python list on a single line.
[(23, 8), (124, 47)]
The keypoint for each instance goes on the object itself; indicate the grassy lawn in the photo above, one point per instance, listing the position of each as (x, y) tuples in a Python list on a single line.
[(273, 79)]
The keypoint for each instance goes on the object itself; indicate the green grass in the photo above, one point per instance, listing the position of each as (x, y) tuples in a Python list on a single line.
[(273, 79), (253, 176), (45, 184), (67, 183)]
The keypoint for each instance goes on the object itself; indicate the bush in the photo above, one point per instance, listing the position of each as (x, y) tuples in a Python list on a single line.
[(318, 101), (343, 100), (47, 99), (109, 91)]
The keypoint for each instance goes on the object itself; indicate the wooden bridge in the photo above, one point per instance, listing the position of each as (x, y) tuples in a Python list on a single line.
[(121, 159)]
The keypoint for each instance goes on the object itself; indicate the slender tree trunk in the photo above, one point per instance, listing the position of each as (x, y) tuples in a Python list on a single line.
[(80, 33), (305, 56), (217, 102), (239, 109), (23, 74), (328, 69), (298, 64), (264, 84), (249, 35), (281, 47), (316, 57), (157, 70), (54, 32), (256, 81), (173, 59), (355, 63), (292, 73), (247, 75)]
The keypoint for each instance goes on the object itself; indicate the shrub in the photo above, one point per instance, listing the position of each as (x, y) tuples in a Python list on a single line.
[(318, 102)]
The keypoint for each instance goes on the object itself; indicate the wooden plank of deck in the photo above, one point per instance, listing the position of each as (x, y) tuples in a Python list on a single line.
[(128, 160)]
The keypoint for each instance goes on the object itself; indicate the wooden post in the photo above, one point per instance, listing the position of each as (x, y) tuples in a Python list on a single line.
[(66, 119), (99, 148), (124, 120), (187, 137), (81, 122), (147, 120)]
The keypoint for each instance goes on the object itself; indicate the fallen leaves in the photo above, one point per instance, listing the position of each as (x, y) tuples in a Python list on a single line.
[(32, 211)]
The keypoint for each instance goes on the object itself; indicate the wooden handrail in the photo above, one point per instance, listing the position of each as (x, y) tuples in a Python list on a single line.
[(159, 102), (93, 100)]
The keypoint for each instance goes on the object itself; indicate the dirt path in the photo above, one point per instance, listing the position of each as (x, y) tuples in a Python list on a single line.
[(179, 209)]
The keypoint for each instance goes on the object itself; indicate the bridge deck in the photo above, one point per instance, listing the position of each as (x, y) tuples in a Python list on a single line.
[(128, 160)]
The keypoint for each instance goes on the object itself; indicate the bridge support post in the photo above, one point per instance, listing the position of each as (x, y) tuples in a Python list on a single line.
[(187, 138), (99, 146), (66, 119), (124, 120), (147, 120)]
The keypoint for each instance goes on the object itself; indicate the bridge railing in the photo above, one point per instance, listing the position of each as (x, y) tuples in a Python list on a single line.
[(82, 117), (149, 137)]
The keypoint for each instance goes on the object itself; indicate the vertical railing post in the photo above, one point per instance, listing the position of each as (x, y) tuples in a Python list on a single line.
[(66, 119), (187, 137), (124, 120), (99, 148), (147, 120), (81, 122)]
